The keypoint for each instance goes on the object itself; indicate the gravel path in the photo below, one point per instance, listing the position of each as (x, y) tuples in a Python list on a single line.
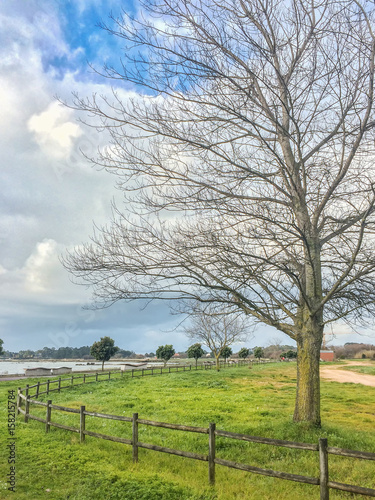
[(336, 375)]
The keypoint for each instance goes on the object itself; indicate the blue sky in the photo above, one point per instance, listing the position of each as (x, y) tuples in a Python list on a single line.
[(50, 196)]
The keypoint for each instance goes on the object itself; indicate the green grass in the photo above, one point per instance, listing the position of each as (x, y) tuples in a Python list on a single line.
[(368, 370), (256, 402)]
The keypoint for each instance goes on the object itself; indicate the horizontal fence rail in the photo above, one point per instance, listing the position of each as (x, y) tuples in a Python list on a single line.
[(322, 447), (133, 373)]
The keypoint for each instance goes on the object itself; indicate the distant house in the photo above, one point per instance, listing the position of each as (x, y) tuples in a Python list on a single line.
[(326, 355)]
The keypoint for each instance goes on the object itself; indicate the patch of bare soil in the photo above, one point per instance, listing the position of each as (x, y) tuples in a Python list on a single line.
[(334, 374)]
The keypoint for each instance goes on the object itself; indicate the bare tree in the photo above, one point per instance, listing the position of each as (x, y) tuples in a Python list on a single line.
[(247, 165), (216, 329)]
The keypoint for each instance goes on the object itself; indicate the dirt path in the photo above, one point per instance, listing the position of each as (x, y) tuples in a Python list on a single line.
[(336, 375)]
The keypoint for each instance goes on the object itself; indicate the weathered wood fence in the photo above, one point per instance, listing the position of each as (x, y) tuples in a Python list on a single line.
[(55, 385), (321, 447)]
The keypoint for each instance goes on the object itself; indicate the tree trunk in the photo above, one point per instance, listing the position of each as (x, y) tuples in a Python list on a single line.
[(309, 339), (307, 407), (217, 363)]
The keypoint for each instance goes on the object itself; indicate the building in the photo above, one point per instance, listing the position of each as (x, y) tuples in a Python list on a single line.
[(327, 355)]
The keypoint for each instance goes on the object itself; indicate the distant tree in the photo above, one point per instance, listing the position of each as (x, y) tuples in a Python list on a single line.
[(123, 353), (27, 354), (48, 352), (103, 350), (291, 354), (226, 352), (83, 351), (165, 352), (216, 329), (258, 352), (62, 352), (1, 347), (150, 354), (195, 351), (244, 353)]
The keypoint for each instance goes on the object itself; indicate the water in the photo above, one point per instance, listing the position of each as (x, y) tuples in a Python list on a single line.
[(17, 367)]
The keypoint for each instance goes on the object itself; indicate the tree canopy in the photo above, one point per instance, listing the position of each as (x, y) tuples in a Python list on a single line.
[(243, 353), (245, 154), (165, 352), (195, 351), (289, 354), (258, 352), (226, 352), (104, 349)]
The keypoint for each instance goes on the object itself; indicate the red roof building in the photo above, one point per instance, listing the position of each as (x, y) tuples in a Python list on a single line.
[(326, 355)]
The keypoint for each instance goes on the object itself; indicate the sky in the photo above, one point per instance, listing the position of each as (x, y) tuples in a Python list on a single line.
[(50, 195)]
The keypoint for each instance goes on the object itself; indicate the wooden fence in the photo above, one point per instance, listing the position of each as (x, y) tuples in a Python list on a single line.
[(322, 447), (137, 372)]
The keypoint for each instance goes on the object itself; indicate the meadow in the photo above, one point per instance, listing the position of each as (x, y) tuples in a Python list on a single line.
[(368, 370), (258, 402)]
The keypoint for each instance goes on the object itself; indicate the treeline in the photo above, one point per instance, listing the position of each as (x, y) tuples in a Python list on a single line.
[(354, 350), (272, 352), (62, 353)]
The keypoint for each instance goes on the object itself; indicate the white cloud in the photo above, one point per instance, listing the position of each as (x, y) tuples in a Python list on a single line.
[(40, 266), (41, 279), (53, 130)]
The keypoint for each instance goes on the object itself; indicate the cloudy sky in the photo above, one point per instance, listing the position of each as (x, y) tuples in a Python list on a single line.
[(50, 195)]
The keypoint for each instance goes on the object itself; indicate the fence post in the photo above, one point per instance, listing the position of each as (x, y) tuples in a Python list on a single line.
[(27, 390), (59, 384), (135, 437), (84, 378), (48, 415), (37, 390), (47, 387), (27, 409), (152, 371), (72, 380), (323, 466), (211, 453), (169, 369), (82, 423), (18, 400), (109, 375), (96, 377)]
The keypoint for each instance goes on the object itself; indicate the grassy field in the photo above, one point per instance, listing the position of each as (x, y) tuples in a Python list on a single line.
[(258, 402), (368, 370)]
